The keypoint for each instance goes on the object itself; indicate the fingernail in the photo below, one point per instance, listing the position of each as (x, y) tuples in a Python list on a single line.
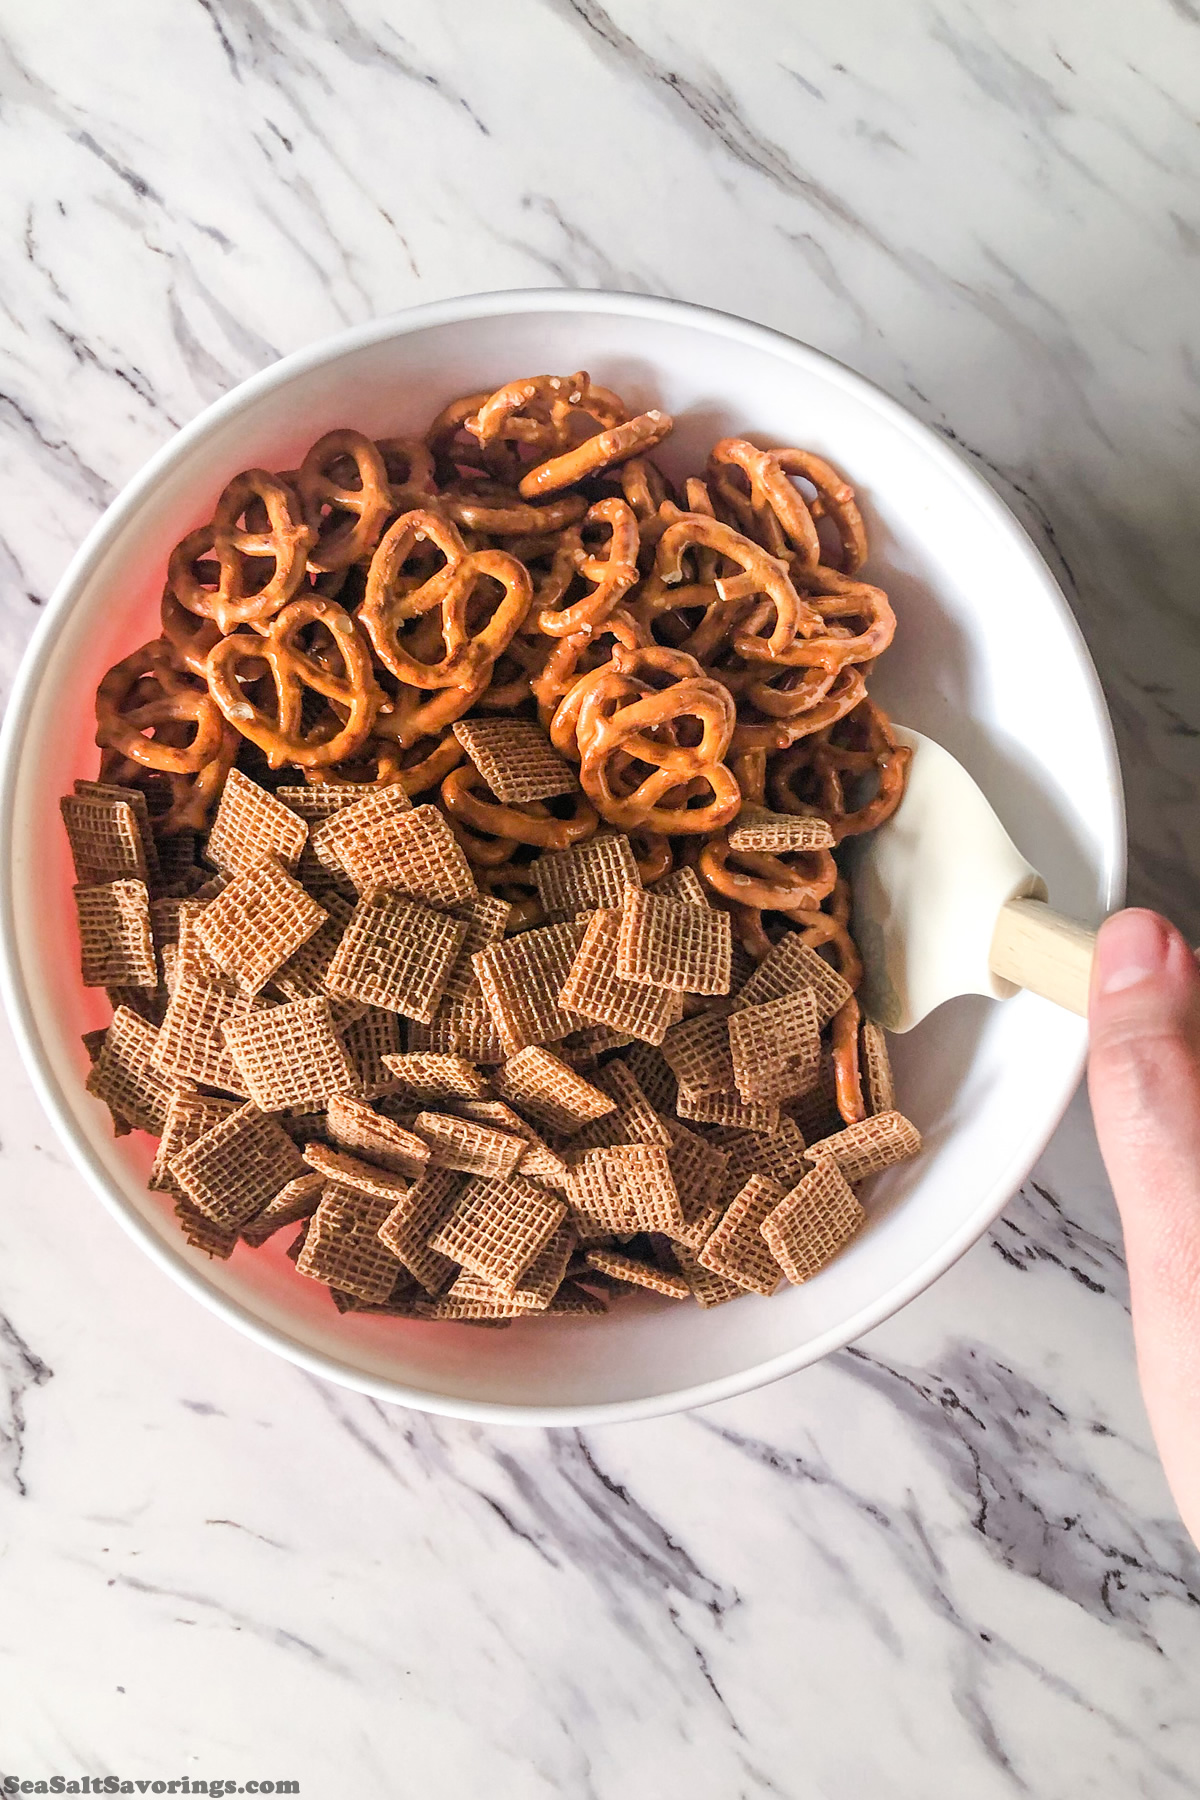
[(1132, 946)]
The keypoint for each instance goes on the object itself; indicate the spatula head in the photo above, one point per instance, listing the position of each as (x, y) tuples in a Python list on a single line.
[(928, 886)]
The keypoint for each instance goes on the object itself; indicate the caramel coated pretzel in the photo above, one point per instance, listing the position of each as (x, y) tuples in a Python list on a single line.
[(354, 694), (612, 575), (338, 540), (148, 692), (468, 802), (241, 551)]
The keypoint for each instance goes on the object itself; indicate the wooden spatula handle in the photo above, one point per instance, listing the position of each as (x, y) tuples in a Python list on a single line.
[(1041, 950)]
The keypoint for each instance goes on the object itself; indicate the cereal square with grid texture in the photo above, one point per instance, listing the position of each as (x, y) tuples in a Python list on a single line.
[(302, 976), (467, 1145), (791, 965), (355, 1126), (869, 1147), (812, 1223), (540, 1162), (736, 1247), (633, 1272), (776, 1047), (342, 1247), (257, 922), (232, 1170), (682, 884), (633, 1119), (396, 953), (464, 1027), (674, 944), (413, 1220), (727, 1109), (595, 988), (250, 825), (125, 1077), (497, 1226), (595, 873), (402, 848), (352, 1171), (115, 937), (429, 1076), (877, 1068), (202, 1234), (290, 1055), (189, 1116), (367, 1037), (697, 1050), (154, 851), (516, 759), (708, 1288), (191, 1043), (653, 1074), (552, 1094), (522, 978), (756, 828), (486, 919), (623, 1188), (106, 839), (296, 1201)]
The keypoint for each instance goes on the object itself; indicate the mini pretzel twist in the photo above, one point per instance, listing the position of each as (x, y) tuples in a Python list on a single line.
[(755, 878), (353, 694), (345, 520), (776, 512), (612, 575), (256, 527), (613, 445), (389, 603), (142, 697), (468, 801), (836, 597), (762, 577), (812, 775)]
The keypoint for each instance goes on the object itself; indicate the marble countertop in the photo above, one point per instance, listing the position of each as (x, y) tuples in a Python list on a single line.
[(942, 1563)]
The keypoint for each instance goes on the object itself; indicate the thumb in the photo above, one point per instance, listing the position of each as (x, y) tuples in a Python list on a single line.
[(1144, 1082)]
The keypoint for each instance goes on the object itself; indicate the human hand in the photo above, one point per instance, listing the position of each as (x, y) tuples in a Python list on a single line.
[(1144, 1082)]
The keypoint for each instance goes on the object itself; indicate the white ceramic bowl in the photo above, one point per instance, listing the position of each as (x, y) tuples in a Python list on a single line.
[(987, 660)]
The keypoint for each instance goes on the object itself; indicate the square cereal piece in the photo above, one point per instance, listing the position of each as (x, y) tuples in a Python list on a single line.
[(191, 1046), (869, 1147), (257, 922), (538, 1285), (776, 1047), (156, 875), (290, 1055), (468, 1146), (623, 1188), (463, 1027), (189, 1116), (633, 1119), (401, 1303), (595, 873), (319, 800), (552, 1094), (812, 1223), (877, 1068), (302, 976), (736, 1247), (780, 1154), (572, 1301), (124, 1075), (236, 1166), (726, 1109), (430, 1076), (516, 759), (105, 838), (215, 1240), (757, 828), (540, 1162), (708, 1288), (698, 1169), (342, 1246), (250, 825), (353, 1125), (396, 953), (793, 964), (298, 1200), (634, 1273), (412, 1222), (674, 944), (595, 988), (387, 842), (352, 1171), (522, 978), (367, 1037), (653, 1075), (698, 1053), (486, 919), (816, 1113), (682, 884), (497, 1227), (115, 938), (181, 873)]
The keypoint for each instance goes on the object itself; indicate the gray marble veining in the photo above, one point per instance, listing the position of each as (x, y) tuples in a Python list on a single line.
[(942, 1563)]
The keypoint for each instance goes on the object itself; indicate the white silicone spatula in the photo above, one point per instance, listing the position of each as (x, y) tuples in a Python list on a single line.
[(945, 904)]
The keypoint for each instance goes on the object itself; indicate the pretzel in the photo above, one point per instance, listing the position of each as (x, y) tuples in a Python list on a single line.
[(467, 655), (762, 575), (770, 883), (596, 453), (623, 721), (812, 774), (292, 670), (190, 798), (837, 597), (146, 692), (612, 575), (530, 822), (190, 637), (408, 464), (278, 536), (339, 540), (561, 669), (500, 511)]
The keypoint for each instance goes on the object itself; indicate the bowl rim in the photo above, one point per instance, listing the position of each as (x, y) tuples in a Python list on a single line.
[(20, 1004)]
